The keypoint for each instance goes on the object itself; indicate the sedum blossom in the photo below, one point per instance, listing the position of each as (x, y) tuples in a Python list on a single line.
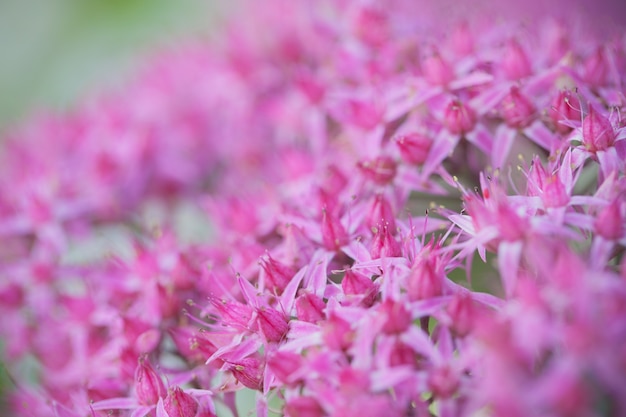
[(408, 212)]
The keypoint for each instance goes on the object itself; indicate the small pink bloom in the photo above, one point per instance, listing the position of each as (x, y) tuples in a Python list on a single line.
[(598, 133), (384, 245), (554, 192), (248, 371), (303, 407), (515, 63), (517, 109), (596, 68), (381, 212), (180, 404), (403, 354), (334, 235), (372, 26), (461, 312), (337, 333), (272, 323), (436, 70), (425, 279), (443, 381), (459, 118), (310, 307), (355, 283), (414, 147), (462, 39), (284, 364), (564, 106), (276, 274), (381, 170), (398, 318), (149, 386), (610, 223)]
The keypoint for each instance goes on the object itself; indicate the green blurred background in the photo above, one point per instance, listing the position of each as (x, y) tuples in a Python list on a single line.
[(53, 52)]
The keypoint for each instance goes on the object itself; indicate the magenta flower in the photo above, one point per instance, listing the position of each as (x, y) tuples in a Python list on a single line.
[(359, 210)]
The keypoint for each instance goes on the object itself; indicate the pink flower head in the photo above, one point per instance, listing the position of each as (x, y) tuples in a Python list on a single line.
[(381, 212), (380, 170), (598, 133), (310, 307), (384, 244), (180, 404), (517, 109), (248, 371), (414, 147), (305, 406), (334, 235), (148, 384), (372, 26), (272, 323), (515, 62), (610, 221), (398, 318), (565, 106), (436, 70), (355, 283), (462, 314), (596, 68), (276, 274), (284, 365), (426, 277), (459, 118)]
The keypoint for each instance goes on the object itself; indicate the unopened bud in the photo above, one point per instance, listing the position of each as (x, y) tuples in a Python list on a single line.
[(180, 404), (148, 384), (459, 118), (517, 109), (414, 147)]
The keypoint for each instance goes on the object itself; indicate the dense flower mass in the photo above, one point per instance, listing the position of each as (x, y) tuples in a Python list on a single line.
[(408, 216)]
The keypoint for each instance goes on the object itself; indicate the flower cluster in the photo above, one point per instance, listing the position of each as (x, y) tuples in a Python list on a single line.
[(406, 220)]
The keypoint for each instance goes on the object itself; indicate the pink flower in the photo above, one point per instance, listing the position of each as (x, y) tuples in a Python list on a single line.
[(148, 384)]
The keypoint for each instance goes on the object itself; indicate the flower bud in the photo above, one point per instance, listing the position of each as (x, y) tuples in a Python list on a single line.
[(381, 212), (276, 274), (148, 384), (598, 133), (284, 364), (355, 283), (303, 407), (462, 39), (403, 354), (334, 235), (310, 307), (384, 245), (515, 63), (564, 106), (436, 70), (371, 26), (610, 223), (596, 68), (381, 170), (459, 119), (414, 147), (554, 192), (180, 404), (517, 109), (461, 313), (425, 279), (337, 333), (398, 318), (443, 382), (249, 372), (272, 323)]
